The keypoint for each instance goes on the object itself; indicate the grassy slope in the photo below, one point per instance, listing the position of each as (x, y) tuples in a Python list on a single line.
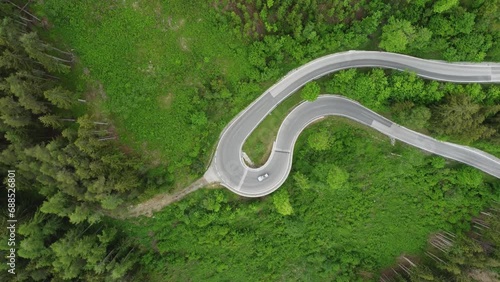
[(259, 143), (150, 56)]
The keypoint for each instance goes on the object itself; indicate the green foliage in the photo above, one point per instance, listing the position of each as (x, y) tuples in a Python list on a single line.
[(337, 177), (438, 162), (66, 168), (168, 78), (396, 35), (171, 84), (467, 114), (319, 141), (281, 202), (301, 181), (460, 114), (361, 87), (419, 117), (332, 234), (56, 249), (444, 5), (38, 50), (416, 117), (311, 91), (400, 35), (51, 121), (60, 97), (175, 73), (462, 257)]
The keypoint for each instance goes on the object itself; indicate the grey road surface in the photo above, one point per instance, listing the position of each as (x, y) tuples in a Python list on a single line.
[(228, 168)]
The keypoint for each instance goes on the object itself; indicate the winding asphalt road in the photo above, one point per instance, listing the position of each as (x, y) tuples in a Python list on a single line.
[(228, 168)]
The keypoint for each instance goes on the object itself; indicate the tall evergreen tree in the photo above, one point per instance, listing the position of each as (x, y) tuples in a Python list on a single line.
[(60, 97)]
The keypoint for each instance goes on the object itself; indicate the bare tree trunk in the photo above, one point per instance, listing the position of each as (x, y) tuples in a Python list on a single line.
[(107, 138), (405, 269), (58, 59), (51, 76), (388, 279), (25, 19), (26, 5), (480, 223), (449, 234), (61, 51), (22, 9), (409, 261), (478, 234), (21, 22), (435, 257), (105, 258), (84, 230), (475, 226), (82, 100), (117, 253), (97, 231), (445, 240), (437, 246), (128, 254), (36, 75)]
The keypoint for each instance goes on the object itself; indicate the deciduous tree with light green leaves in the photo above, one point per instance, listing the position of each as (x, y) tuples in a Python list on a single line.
[(444, 5), (281, 201), (399, 35), (337, 177), (301, 181), (396, 35), (311, 91), (319, 141)]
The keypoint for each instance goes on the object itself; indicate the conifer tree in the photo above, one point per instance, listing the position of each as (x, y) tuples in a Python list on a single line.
[(60, 97)]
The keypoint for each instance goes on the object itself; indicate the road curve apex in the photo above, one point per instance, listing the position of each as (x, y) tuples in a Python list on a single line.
[(228, 168)]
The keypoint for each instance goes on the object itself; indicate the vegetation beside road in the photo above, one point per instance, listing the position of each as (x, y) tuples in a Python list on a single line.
[(69, 171), (259, 143), (173, 74), (465, 114), (333, 219)]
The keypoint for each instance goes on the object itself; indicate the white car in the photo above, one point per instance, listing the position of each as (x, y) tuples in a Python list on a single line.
[(262, 177)]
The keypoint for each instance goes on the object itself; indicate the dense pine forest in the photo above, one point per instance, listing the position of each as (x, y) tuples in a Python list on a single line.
[(106, 103), (68, 174)]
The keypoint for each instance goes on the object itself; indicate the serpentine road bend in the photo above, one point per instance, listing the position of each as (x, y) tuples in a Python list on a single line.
[(227, 166)]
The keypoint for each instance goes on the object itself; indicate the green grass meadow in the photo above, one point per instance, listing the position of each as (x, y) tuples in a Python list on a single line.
[(152, 57)]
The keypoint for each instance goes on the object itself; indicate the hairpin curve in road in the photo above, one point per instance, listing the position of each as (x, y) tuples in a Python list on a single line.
[(227, 166)]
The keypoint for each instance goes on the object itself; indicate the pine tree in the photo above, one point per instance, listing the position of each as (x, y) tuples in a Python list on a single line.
[(9, 33), (26, 93), (38, 51), (51, 121), (57, 204), (60, 97), (13, 114), (460, 114)]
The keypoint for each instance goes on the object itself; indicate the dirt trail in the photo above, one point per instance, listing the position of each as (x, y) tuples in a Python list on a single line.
[(162, 200)]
